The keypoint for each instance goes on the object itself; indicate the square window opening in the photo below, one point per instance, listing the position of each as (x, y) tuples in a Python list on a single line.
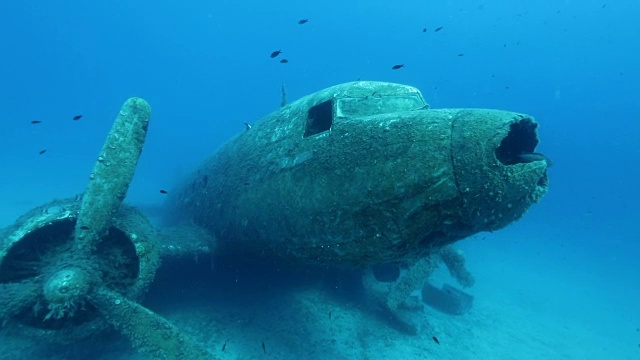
[(319, 118)]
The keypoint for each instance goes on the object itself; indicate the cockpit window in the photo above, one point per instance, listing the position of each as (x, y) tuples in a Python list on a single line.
[(319, 118), (373, 105)]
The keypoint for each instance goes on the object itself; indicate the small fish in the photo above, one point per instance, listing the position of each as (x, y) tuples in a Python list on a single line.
[(84, 227), (224, 346), (163, 192), (42, 151), (77, 117), (531, 157), (36, 122), (329, 315), (436, 340), (396, 67), (284, 61), (303, 21), (424, 30), (276, 53), (247, 125), (264, 348), (438, 29), (461, 54)]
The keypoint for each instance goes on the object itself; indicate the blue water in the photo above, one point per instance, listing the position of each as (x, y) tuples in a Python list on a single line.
[(204, 67)]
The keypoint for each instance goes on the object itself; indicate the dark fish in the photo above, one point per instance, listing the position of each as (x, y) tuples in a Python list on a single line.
[(396, 67), (424, 30), (329, 315), (303, 21), (531, 157), (438, 29), (264, 349), (284, 61), (163, 192), (247, 126), (436, 340), (461, 54), (224, 346), (84, 227), (205, 180), (77, 117), (36, 122), (276, 53), (42, 151)]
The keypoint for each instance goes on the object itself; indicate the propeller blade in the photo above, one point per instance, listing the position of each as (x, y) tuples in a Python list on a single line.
[(113, 172), (15, 297), (149, 332)]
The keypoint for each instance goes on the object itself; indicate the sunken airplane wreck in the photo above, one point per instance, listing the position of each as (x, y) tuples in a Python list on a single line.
[(363, 173)]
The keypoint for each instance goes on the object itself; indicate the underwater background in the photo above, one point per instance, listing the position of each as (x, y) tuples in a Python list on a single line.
[(561, 283)]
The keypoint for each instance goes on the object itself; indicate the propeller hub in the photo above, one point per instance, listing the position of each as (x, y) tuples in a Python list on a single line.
[(66, 291)]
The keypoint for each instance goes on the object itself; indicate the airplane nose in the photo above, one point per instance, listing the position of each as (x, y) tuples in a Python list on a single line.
[(497, 171)]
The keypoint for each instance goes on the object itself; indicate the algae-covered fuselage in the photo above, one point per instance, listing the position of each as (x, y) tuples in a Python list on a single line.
[(362, 173)]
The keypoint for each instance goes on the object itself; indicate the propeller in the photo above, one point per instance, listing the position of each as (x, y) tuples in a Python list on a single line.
[(65, 278)]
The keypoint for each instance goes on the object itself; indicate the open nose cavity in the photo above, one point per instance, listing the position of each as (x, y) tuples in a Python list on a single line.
[(518, 147)]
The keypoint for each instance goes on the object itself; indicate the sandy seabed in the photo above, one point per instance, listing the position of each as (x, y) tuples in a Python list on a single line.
[(526, 307)]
